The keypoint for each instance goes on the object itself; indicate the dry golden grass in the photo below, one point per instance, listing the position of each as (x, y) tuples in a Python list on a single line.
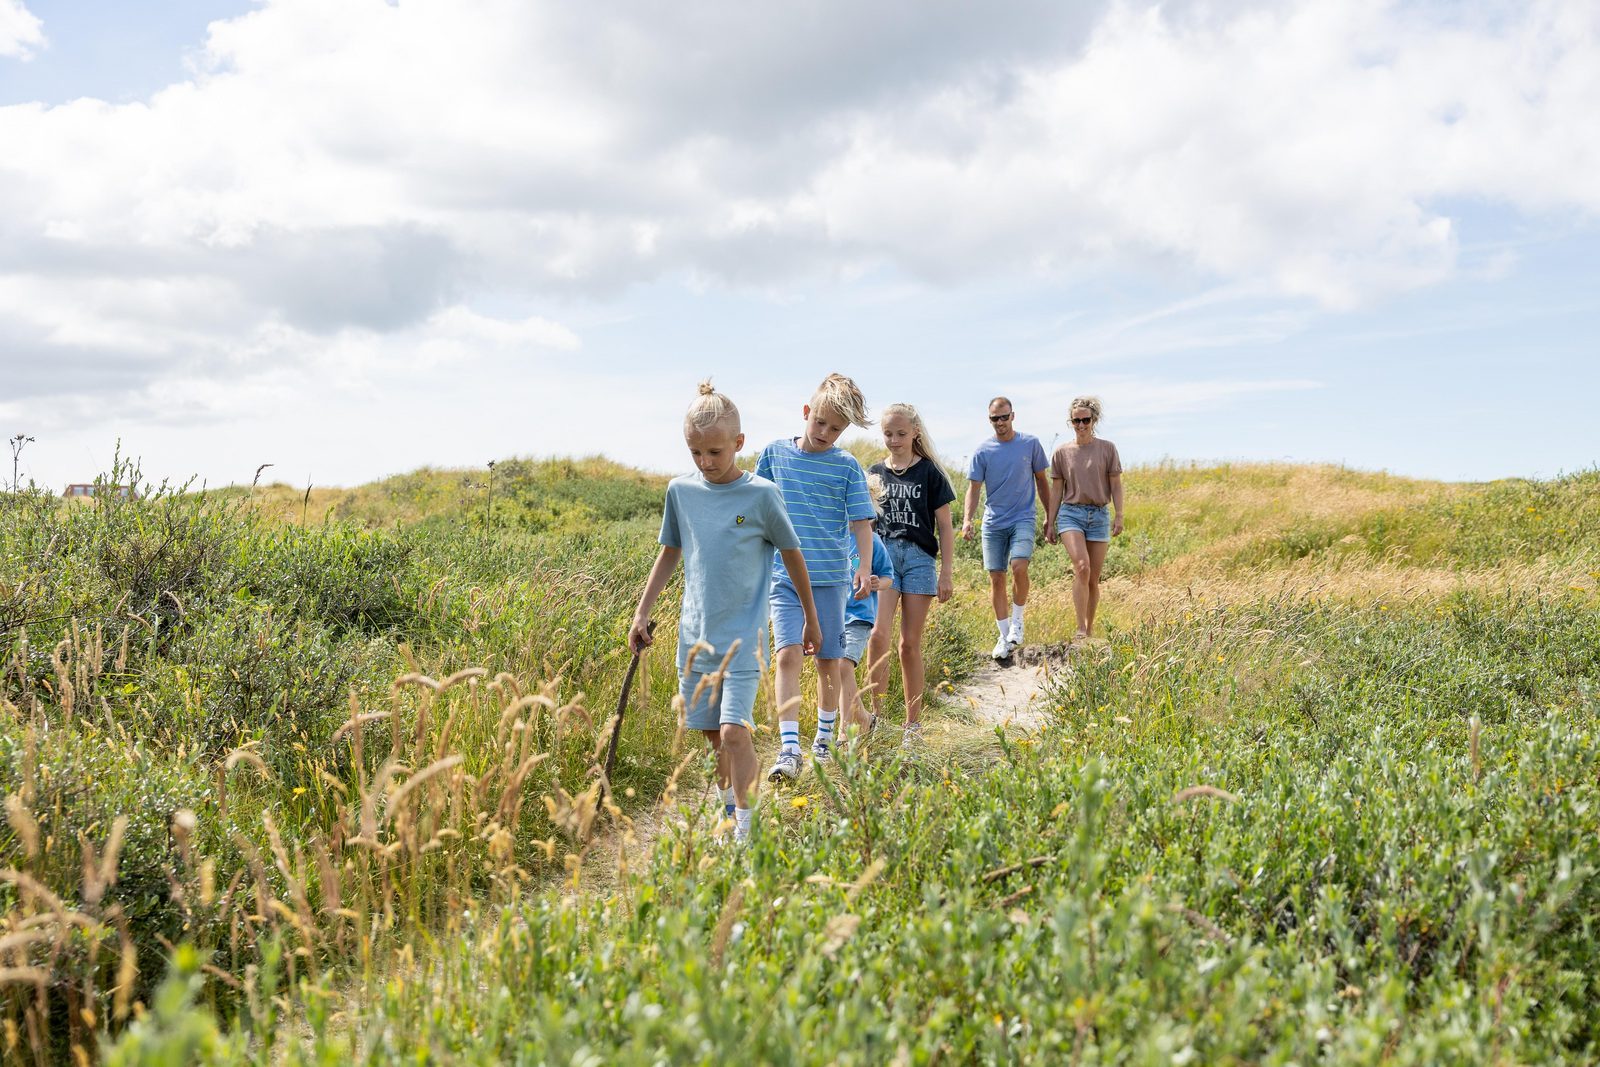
[(1164, 594)]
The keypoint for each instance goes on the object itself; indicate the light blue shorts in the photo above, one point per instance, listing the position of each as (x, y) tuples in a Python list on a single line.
[(1091, 520), (731, 704), (914, 570), (856, 633), (1003, 544), (789, 618)]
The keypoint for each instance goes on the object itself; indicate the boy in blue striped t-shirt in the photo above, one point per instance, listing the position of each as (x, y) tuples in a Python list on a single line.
[(825, 493)]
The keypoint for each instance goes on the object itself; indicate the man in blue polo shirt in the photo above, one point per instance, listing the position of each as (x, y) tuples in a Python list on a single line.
[(1010, 469)]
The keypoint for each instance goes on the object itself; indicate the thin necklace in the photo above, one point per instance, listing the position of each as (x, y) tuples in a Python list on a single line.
[(898, 471)]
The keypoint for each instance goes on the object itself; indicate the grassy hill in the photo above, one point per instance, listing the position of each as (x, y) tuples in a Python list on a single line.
[(1327, 790)]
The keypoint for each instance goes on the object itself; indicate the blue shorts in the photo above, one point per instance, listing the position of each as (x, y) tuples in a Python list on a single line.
[(789, 618), (731, 704), (1003, 544), (856, 633), (1091, 520), (914, 570)]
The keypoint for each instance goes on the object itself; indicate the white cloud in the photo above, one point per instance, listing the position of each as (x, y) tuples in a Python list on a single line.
[(351, 177), (21, 32)]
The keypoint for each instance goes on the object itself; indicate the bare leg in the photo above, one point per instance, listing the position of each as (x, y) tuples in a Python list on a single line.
[(997, 594), (1078, 550), (714, 739), (848, 693), (786, 682), (1097, 559), (828, 688), (913, 622), (878, 647), (1019, 583), (737, 760)]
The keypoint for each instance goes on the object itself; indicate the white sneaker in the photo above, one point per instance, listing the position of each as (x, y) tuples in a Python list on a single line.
[(786, 768), (1014, 635), (1002, 648), (821, 751), (913, 736)]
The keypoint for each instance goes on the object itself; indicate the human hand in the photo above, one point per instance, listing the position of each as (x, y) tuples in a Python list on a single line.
[(966, 529), (811, 637), (1116, 526), (1050, 535), (946, 587), (641, 634), (862, 585)]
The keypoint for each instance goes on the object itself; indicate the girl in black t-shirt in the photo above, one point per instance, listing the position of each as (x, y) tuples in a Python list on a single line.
[(914, 523)]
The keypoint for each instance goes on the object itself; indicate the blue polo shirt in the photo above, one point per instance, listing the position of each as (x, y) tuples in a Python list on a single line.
[(1006, 469)]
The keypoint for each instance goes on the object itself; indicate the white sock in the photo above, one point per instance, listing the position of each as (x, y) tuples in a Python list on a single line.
[(1016, 613), (1004, 626), (789, 735), (825, 721), (727, 799), (741, 822)]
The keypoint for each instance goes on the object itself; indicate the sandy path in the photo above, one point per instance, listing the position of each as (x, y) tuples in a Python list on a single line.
[(1011, 693)]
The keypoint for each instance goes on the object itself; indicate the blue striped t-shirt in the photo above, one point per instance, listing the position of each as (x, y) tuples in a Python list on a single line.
[(823, 493)]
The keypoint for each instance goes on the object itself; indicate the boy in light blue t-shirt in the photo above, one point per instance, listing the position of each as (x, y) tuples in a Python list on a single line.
[(726, 526)]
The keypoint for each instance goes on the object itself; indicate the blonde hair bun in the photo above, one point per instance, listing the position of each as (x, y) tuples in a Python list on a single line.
[(710, 408)]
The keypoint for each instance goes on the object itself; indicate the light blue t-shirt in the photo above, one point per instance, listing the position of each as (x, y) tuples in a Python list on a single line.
[(1006, 469), (728, 534), (823, 492), (866, 609)]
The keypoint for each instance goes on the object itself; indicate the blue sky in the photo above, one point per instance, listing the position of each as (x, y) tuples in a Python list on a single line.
[(352, 239)]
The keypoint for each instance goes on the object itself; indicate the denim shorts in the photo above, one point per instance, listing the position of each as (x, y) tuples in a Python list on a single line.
[(731, 704), (914, 570), (856, 633), (789, 618), (1003, 544), (1091, 520)]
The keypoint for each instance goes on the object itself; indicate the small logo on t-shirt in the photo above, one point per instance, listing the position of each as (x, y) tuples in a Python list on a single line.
[(738, 520)]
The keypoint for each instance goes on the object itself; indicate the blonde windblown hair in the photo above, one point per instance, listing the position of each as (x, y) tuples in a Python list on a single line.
[(838, 395)]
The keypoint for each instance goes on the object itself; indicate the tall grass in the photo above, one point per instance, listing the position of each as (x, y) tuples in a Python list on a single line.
[(1327, 792)]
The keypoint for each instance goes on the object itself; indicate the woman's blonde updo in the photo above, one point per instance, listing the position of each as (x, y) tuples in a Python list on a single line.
[(1090, 404), (710, 409)]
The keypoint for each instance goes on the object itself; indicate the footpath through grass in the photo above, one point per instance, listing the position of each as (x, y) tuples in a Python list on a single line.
[(1328, 791)]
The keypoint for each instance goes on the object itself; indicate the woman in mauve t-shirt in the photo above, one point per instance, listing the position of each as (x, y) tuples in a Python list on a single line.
[(1085, 476)]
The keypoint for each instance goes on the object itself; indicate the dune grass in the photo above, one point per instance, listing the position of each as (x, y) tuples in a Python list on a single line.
[(1326, 790)]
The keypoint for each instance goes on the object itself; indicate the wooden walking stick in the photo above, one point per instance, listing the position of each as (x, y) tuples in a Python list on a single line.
[(622, 706)]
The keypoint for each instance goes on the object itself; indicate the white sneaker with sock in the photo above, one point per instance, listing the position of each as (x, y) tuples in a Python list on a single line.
[(1014, 631)]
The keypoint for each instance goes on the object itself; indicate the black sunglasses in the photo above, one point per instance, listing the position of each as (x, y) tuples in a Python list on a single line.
[(1001, 418), (1083, 422)]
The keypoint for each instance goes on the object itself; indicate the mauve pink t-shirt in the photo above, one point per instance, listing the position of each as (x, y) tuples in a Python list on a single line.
[(1086, 471)]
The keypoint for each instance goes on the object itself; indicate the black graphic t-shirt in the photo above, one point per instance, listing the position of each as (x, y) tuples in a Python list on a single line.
[(909, 501)]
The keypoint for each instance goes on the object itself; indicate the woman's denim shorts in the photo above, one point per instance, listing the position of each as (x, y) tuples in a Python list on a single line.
[(914, 570), (1091, 520)]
